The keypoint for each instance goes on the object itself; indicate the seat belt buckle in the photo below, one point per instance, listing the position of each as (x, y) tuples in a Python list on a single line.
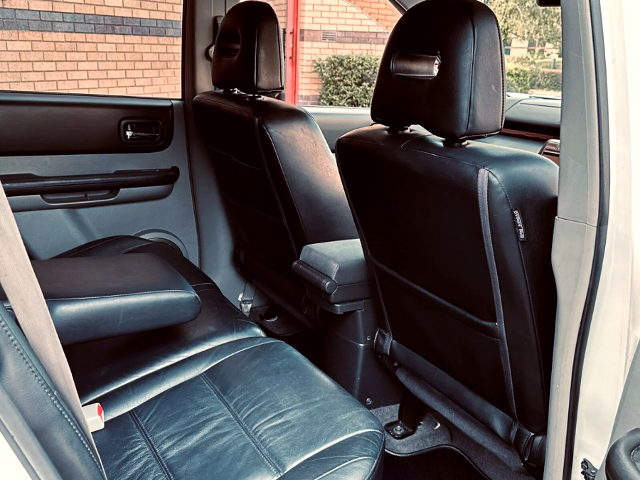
[(246, 298), (94, 415)]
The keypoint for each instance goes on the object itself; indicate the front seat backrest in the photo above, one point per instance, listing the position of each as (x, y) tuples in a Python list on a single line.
[(457, 233), (278, 177)]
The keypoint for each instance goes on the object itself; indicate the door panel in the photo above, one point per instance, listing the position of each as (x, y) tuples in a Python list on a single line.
[(111, 188), (47, 124)]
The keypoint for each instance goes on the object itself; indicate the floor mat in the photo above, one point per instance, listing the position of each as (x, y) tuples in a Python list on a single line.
[(428, 437), (437, 463)]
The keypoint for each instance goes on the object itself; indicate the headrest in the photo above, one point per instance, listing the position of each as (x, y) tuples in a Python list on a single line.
[(248, 51), (443, 69)]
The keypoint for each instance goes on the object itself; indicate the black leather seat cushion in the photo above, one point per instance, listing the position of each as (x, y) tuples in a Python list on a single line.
[(103, 366), (251, 408), (212, 398), (104, 297)]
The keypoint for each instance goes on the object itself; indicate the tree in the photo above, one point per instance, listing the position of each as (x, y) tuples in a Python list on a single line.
[(525, 20)]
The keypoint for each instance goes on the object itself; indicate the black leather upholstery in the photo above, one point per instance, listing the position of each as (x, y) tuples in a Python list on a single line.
[(335, 272), (103, 297), (248, 52), (459, 237), (343, 262), (102, 366), (253, 408), (465, 99), (275, 170), (212, 398)]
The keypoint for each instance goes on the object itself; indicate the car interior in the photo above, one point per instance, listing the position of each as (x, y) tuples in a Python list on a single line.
[(252, 289)]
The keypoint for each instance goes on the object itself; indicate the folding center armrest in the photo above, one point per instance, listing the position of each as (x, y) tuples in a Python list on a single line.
[(94, 298), (335, 274)]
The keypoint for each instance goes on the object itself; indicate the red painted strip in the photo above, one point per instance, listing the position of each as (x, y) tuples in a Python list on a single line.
[(292, 53)]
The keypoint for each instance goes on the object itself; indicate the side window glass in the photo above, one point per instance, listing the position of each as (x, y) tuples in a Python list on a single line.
[(532, 39), (339, 45), (106, 47)]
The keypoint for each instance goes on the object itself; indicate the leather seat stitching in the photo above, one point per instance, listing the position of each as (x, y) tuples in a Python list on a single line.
[(266, 169), (259, 169), (526, 280), (249, 209), (119, 295), (48, 392), (329, 445), (203, 99), (293, 200), (483, 203), (152, 447), (116, 387), (343, 465), (435, 155), (254, 441), (473, 66), (130, 249)]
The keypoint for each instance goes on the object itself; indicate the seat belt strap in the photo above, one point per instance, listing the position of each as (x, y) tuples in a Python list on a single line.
[(21, 286), (382, 342)]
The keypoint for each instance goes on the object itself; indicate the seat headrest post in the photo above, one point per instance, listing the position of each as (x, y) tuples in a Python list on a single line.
[(443, 69), (248, 51)]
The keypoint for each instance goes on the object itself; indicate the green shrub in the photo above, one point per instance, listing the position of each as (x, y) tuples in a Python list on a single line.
[(518, 79), (547, 80), (347, 80), (526, 73)]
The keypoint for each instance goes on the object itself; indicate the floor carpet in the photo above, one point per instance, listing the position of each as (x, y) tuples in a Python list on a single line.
[(437, 463)]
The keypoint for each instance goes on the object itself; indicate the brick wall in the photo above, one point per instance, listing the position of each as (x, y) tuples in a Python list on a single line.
[(119, 47), (332, 27), (381, 11), (133, 47), (280, 6)]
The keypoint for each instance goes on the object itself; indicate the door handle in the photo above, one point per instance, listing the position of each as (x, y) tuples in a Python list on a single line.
[(133, 135), (141, 130)]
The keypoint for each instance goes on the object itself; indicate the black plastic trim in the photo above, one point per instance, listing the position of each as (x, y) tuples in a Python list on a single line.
[(64, 124), (601, 236), (29, 184)]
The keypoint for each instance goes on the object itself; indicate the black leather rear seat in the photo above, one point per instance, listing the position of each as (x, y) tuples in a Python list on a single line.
[(102, 366), (251, 408), (215, 398)]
